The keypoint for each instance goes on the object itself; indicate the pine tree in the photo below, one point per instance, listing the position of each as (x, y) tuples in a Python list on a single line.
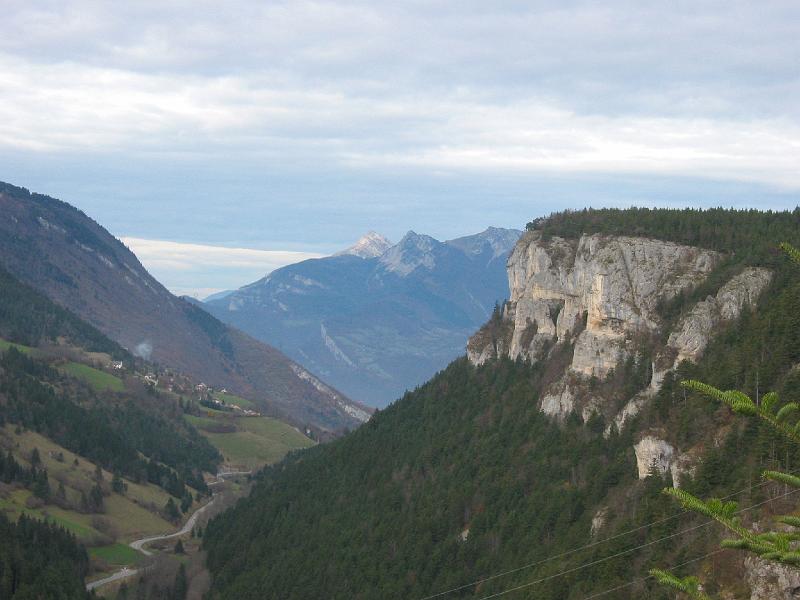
[(96, 499), (181, 584), (61, 494), (179, 547), (774, 546), (41, 486), (117, 484), (172, 510)]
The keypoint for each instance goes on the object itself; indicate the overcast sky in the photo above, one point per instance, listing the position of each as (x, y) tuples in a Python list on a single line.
[(294, 127)]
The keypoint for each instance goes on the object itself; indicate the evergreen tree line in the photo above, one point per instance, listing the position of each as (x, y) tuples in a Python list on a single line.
[(751, 235), (40, 560), (31, 477)]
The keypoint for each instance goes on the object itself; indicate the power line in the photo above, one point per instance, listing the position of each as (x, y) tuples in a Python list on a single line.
[(643, 579), (624, 552), (585, 547), (595, 562)]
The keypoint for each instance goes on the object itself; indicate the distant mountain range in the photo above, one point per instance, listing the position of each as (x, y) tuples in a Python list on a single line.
[(62, 253), (377, 319)]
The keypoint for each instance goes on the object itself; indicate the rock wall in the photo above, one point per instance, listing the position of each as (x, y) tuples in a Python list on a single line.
[(605, 288), (771, 581), (692, 334), (602, 293), (652, 452)]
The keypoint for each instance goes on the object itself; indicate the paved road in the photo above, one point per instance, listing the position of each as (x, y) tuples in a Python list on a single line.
[(139, 545), (121, 574), (221, 476)]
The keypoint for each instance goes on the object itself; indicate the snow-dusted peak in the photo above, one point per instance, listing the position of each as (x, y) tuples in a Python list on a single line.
[(371, 245), (413, 251)]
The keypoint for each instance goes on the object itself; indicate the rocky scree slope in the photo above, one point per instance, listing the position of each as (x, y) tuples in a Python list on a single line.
[(58, 250), (377, 319)]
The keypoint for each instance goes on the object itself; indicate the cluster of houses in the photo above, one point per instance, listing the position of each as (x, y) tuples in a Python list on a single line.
[(181, 385)]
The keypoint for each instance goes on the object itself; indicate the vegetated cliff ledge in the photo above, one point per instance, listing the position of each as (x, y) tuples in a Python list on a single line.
[(603, 297)]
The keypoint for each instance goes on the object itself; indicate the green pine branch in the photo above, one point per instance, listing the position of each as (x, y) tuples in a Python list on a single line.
[(791, 252), (742, 404), (687, 585)]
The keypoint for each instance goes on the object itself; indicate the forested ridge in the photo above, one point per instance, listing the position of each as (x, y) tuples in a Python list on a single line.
[(464, 477), (28, 317), (122, 435), (40, 560)]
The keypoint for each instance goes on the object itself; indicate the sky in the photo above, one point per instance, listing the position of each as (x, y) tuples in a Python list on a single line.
[(222, 140)]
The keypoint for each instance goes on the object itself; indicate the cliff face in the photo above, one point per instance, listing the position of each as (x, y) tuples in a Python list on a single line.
[(602, 291), (601, 294)]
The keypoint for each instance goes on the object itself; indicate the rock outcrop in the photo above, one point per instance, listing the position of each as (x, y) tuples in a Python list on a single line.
[(771, 581), (652, 452), (602, 294), (693, 333), (604, 290)]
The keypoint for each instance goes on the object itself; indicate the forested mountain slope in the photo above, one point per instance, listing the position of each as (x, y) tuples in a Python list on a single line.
[(377, 319), (492, 466), (106, 445), (61, 252), (40, 560)]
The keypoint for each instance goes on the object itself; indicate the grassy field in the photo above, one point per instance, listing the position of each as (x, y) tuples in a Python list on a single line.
[(5, 345), (229, 398), (257, 441), (129, 516), (117, 554), (99, 380)]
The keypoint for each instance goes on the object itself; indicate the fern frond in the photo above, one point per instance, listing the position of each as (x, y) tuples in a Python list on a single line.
[(789, 520)]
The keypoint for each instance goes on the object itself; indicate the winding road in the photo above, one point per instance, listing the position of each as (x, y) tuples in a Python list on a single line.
[(139, 545)]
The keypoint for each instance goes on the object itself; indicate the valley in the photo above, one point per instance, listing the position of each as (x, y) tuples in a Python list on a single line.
[(562, 363), (547, 442), (103, 445)]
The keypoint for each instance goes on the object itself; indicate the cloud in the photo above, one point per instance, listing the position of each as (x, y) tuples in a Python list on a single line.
[(615, 87), (302, 124), (199, 270)]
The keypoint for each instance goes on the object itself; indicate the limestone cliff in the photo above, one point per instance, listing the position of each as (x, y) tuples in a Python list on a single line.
[(694, 331), (602, 289), (601, 294)]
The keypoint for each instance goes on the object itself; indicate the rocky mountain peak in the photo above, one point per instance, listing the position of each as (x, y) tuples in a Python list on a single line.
[(494, 241), (370, 245), (413, 251)]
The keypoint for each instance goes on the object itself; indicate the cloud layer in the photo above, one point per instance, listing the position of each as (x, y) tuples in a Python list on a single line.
[(200, 270), (615, 87)]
